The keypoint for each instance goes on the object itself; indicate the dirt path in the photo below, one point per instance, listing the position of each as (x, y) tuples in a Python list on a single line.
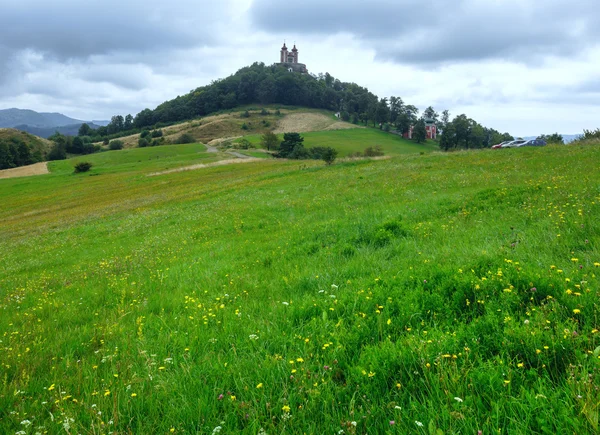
[(246, 159), (26, 171)]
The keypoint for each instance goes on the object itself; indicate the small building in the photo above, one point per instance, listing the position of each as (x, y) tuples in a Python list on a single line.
[(430, 130), (289, 60)]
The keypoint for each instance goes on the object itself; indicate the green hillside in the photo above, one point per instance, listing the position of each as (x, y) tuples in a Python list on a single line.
[(429, 294), (34, 149), (350, 141)]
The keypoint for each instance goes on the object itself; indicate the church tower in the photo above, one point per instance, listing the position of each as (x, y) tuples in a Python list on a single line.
[(289, 60)]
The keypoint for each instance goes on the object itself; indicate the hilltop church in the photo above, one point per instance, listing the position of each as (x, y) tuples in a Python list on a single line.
[(289, 60)]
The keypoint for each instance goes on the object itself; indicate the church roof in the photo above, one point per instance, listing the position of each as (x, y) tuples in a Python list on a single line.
[(294, 49), (284, 47)]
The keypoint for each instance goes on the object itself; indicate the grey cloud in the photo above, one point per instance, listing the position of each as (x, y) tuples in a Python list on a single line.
[(439, 32), (74, 29)]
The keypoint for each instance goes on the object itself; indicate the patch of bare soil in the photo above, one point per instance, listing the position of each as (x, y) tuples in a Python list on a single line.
[(207, 165), (303, 122), (25, 171)]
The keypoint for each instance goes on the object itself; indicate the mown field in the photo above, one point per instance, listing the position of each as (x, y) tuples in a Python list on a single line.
[(433, 294)]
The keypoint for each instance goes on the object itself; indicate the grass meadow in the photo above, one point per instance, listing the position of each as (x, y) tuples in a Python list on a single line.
[(354, 140), (429, 294)]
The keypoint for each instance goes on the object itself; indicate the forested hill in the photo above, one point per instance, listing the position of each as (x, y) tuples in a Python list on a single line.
[(264, 85)]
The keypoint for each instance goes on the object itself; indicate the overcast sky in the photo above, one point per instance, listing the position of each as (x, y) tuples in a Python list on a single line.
[(523, 66)]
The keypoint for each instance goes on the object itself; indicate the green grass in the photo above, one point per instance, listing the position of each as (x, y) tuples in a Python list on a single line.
[(355, 140), (139, 159), (457, 291)]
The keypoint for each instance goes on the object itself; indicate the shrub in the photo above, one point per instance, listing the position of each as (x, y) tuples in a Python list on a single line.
[(105, 141), (116, 145), (244, 126), (244, 144), (327, 154), (278, 112), (264, 112), (144, 134), (82, 167), (246, 114), (374, 151), (143, 142), (157, 133), (185, 138)]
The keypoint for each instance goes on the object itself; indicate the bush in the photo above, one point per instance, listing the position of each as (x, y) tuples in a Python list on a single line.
[(82, 167), (244, 126), (329, 155), (246, 114), (144, 134), (143, 142), (264, 112), (374, 151), (116, 145), (157, 133), (244, 144), (185, 138), (105, 141), (278, 112)]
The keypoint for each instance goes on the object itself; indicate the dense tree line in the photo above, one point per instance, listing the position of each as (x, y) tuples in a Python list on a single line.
[(465, 133), (16, 152), (274, 84), (270, 85)]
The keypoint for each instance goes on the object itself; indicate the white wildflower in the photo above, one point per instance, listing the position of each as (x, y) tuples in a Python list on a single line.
[(418, 423), (217, 430), (458, 399)]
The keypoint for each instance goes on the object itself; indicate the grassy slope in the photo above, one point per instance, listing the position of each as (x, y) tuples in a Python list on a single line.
[(343, 293), (36, 143), (353, 140), (229, 124)]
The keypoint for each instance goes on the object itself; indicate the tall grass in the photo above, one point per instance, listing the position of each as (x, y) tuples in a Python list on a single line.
[(438, 293)]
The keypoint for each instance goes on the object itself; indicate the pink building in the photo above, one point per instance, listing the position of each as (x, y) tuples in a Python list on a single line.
[(430, 130)]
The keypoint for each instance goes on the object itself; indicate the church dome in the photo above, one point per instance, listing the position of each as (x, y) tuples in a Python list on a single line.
[(294, 49), (284, 47)]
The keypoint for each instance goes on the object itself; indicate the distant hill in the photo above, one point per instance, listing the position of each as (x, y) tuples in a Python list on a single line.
[(46, 132), (43, 124), (10, 118)]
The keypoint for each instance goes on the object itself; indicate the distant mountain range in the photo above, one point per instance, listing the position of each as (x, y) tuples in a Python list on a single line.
[(43, 124)]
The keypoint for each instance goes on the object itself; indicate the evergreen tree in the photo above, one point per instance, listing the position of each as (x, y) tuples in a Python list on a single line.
[(291, 146)]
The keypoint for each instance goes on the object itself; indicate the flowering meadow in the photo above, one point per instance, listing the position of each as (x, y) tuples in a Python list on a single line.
[(425, 294)]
